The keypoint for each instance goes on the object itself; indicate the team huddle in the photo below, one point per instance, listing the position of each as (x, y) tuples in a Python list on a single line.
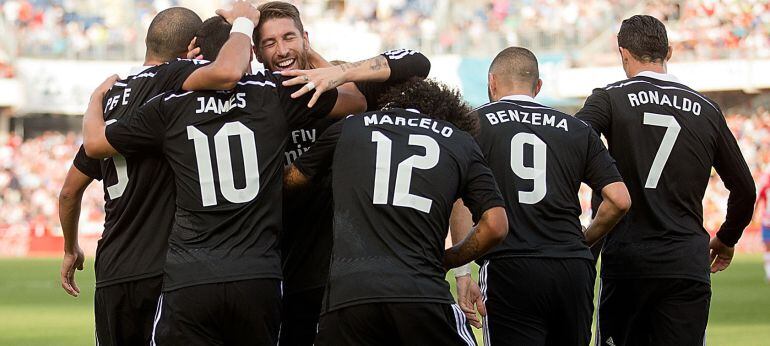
[(309, 202)]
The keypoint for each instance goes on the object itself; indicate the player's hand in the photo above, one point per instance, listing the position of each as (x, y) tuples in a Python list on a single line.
[(72, 260), (193, 51), (469, 298), (320, 80), (240, 9), (721, 255), (105, 86)]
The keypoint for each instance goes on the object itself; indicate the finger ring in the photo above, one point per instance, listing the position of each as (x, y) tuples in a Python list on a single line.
[(305, 78), (310, 86)]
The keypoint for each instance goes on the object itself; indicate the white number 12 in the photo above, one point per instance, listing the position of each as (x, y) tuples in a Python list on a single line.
[(672, 132), (401, 195)]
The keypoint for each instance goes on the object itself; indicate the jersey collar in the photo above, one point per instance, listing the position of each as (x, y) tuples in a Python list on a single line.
[(526, 98), (660, 76), (135, 70)]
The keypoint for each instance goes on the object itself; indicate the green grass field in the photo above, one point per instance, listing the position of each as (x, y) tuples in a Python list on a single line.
[(34, 310)]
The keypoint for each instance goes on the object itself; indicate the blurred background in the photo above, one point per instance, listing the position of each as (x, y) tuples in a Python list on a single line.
[(54, 52)]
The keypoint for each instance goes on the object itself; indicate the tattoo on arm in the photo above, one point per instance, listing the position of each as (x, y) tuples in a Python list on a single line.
[(466, 251), (378, 63)]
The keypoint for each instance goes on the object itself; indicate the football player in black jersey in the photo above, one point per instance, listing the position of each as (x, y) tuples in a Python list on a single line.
[(131, 252), (655, 277), (538, 284), (222, 272), (281, 43), (395, 175)]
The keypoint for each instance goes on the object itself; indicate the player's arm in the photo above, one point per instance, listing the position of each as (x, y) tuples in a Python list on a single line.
[(314, 162), (615, 204), (469, 296), (376, 69), (490, 231), (481, 196), (94, 140), (234, 57), (597, 111), (602, 175), (732, 168), (70, 197)]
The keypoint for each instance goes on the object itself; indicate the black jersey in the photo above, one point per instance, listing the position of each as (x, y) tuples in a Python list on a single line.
[(665, 138), (226, 151), (138, 191), (306, 240), (395, 177), (539, 157)]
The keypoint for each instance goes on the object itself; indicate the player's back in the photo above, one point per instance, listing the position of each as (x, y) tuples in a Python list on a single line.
[(539, 157), (665, 138), (396, 174), (226, 151), (133, 243)]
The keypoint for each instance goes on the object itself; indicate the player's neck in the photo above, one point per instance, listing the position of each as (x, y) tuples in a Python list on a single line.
[(636, 69), (513, 92)]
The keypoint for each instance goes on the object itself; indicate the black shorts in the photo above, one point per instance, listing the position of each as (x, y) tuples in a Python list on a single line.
[(538, 301), (388, 324), (652, 311), (299, 317), (124, 311), (244, 312)]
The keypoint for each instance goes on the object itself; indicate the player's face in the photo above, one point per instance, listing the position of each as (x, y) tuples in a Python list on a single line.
[(282, 46)]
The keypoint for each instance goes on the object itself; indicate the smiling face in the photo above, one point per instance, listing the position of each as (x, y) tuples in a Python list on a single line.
[(282, 45)]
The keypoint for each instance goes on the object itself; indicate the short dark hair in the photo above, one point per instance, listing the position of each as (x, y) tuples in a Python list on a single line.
[(274, 10), (645, 37), (518, 64), (170, 33), (211, 36), (434, 99)]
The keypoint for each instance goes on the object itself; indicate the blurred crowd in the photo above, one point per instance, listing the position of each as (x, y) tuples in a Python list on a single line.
[(582, 31), (32, 173)]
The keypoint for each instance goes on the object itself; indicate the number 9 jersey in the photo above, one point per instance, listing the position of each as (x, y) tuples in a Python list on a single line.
[(665, 138), (539, 157)]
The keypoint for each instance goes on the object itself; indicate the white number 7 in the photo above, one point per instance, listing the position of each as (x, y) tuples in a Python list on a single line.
[(672, 132)]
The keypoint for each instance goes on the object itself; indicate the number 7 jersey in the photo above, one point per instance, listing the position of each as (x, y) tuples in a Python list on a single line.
[(539, 157), (665, 138)]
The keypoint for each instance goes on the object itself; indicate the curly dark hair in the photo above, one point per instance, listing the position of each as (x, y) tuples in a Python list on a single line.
[(434, 99)]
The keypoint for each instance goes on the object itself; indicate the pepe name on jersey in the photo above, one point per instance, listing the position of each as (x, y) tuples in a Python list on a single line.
[(679, 102), (532, 118), (426, 123)]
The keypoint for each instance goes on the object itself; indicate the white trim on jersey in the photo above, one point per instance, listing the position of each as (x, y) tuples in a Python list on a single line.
[(460, 323), (158, 311), (519, 97), (663, 87), (175, 95), (598, 330), (483, 280), (660, 76), (254, 82), (135, 70)]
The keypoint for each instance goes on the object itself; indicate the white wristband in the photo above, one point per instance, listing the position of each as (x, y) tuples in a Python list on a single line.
[(243, 25), (463, 270)]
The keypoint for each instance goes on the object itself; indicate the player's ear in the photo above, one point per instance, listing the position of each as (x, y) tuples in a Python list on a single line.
[(491, 86), (670, 51), (538, 86), (306, 37)]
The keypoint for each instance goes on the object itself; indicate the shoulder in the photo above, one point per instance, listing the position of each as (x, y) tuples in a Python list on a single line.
[(261, 78)]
